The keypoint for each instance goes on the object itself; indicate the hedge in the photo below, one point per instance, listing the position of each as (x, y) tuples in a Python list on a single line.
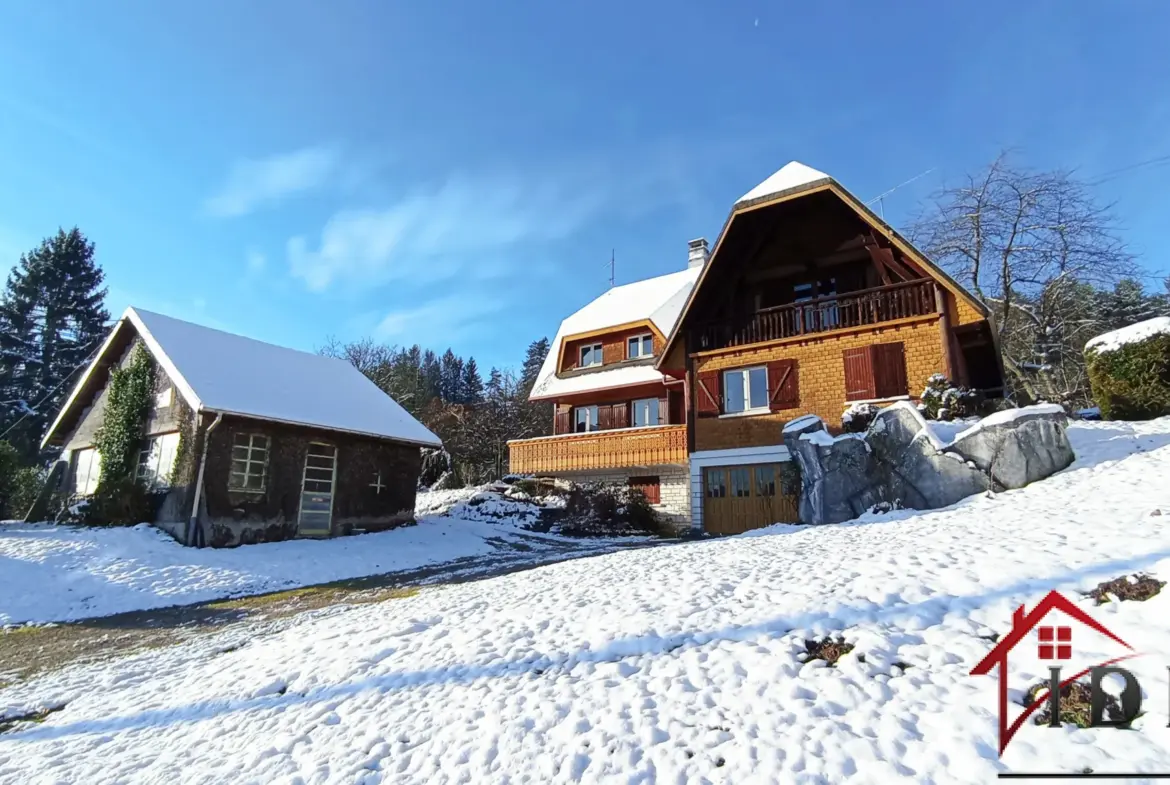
[(1132, 382)]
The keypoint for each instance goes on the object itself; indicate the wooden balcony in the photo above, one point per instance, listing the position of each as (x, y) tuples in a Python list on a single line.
[(837, 312), (650, 446)]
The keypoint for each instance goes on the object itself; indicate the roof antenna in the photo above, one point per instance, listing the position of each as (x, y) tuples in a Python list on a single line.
[(881, 198), (612, 279)]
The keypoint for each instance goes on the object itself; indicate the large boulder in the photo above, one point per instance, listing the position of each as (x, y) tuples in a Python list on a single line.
[(836, 474), (1017, 446), (900, 459)]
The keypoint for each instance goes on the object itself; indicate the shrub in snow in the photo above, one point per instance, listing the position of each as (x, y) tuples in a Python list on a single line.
[(19, 485), (1129, 371), (433, 465), (944, 400), (608, 510), (857, 417), (120, 503), (829, 650)]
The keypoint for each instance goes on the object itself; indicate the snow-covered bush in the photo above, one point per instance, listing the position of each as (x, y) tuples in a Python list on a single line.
[(433, 464), (608, 510), (857, 417), (944, 400), (1129, 370)]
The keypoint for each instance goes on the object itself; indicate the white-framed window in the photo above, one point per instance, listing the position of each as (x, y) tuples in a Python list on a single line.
[(585, 418), (745, 390), (646, 412), (640, 346), (249, 462), (156, 459), (87, 467), (590, 355)]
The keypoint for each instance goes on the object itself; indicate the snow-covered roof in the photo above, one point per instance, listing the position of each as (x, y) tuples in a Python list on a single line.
[(659, 300), (792, 175), (1134, 333), (218, 371)]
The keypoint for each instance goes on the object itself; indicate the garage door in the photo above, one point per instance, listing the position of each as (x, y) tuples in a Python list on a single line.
[(738, 498)]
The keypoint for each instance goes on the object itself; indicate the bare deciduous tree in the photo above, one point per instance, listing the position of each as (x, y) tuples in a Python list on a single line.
[(1033, 245)]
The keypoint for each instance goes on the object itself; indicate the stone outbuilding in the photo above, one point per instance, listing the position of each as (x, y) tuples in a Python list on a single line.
[(246, 441)]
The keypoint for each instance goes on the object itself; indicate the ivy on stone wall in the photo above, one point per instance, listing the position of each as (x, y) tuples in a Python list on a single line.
[(186, 418), (119, 438)]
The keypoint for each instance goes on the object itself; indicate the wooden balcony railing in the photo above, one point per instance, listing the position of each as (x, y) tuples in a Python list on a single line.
[(651, 446), (853, 309)]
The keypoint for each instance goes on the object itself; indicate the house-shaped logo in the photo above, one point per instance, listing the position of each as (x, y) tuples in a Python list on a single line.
[(1054, 646)]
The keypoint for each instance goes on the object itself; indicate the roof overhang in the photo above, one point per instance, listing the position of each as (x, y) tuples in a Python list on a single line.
[(646, 324), (805, 189)]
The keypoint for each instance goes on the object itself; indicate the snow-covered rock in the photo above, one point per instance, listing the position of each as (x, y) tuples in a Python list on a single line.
[(902, 459)]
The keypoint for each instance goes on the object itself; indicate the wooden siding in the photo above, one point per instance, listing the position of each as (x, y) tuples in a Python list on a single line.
[(653, 446), (821, 378), (613, 346)]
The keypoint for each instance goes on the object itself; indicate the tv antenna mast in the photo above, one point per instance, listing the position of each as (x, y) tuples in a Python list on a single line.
[(612, 277), (881, 198)]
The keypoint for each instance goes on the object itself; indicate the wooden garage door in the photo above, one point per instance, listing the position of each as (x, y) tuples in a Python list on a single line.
[(738, 498)]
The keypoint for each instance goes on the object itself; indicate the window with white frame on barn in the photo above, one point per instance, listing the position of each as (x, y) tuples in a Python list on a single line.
[(156, 460), (646, 412), (87, 468), (249, 462), (590, 355), (640, 346), (586, 418), (745, 390)]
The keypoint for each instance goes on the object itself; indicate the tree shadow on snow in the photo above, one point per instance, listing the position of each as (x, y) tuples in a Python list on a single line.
[(934, 608)]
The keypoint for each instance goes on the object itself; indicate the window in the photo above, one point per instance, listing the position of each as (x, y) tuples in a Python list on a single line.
[(590, 355), (640, 346), (157, 459), (765, 481), (249, 462), (716, 484), (87, 467), (745, 390), (586, 418), (163, 399), (741, 482), (646, 412)]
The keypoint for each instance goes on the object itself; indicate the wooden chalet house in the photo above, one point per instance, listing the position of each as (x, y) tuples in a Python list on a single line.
[(681, 384)]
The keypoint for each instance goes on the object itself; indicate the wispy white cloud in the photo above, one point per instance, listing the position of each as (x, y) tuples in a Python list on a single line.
[(443, 320), (256, 261), (254, 183)]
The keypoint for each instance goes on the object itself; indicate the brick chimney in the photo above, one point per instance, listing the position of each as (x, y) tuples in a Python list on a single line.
[(697, 252)]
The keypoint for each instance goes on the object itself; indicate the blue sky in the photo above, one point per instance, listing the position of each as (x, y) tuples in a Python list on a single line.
[(456, 173)]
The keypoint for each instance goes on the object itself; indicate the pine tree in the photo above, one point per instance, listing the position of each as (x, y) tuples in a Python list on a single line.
[(1127, 304), (472, 383), (451, 378), (533, 359), (52, 318)]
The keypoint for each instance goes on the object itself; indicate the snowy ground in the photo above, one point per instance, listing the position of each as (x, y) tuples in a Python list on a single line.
[(672, 664), (56, 573)]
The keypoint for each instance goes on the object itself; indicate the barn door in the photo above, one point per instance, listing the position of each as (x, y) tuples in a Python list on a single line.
[(316, 512), (738, 498)]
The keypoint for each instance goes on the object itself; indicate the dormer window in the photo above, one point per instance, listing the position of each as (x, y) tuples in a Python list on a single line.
[(640, 346), (590, 355)]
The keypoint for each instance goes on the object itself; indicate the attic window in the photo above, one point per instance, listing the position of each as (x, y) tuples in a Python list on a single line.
[(249, 462), (640, 346), (164, 399), (590, 355)]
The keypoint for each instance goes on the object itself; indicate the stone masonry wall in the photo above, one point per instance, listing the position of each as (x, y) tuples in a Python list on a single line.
[(821, 379)]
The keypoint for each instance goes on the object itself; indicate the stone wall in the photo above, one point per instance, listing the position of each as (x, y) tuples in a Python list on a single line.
[(821, 378), (363, 463)]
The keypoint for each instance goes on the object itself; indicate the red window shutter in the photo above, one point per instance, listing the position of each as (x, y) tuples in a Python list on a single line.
[(708, 394), (889, 370), (783, 385), (650, 486), (859, 383)]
